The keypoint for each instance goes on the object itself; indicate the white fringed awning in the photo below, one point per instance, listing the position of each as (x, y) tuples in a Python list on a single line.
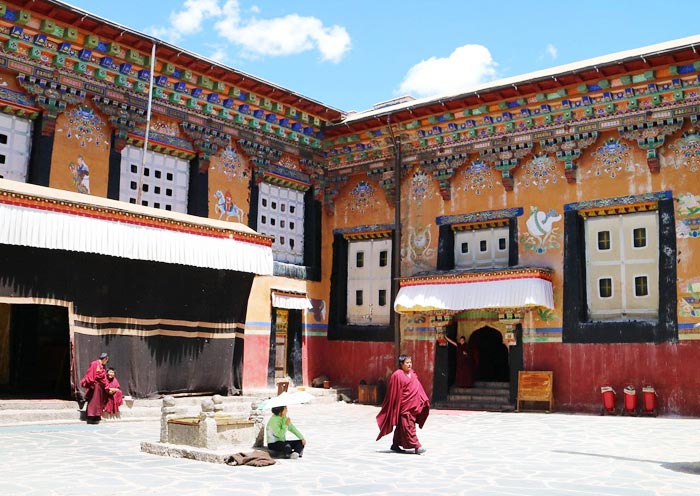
[(504, 289), (290, 300), (54, 219)]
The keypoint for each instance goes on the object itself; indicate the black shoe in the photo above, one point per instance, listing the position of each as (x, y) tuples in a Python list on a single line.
[(397, 449), (420, 451)]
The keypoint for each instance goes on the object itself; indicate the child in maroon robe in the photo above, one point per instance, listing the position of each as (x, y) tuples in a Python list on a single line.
[(94, 382), (405, 405), (113, 394)]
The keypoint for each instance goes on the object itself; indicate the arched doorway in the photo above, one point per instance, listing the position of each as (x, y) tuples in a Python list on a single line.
[(490, 355)]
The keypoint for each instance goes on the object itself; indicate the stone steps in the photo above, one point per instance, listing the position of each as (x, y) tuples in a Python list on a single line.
[(41, 411), (483, 396)]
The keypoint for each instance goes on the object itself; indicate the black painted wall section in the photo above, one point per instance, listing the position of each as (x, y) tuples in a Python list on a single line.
[(446, 248), (338, 328), (515, 362), (198, 201), (114, 175), (39, 172), (312, 236), (513, 242), (253, 207), (577, 328)]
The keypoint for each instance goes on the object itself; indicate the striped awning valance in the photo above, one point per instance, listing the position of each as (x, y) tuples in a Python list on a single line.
[(54, 219)]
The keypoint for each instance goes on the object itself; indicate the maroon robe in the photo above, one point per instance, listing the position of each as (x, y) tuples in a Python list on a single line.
[(464, 368), (94, 382), (113, 400), (405, 405)]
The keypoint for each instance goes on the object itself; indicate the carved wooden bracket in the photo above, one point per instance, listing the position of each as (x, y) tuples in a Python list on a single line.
[(505, 159), (206, 141), (568, 149), (52, 97), (650, 136)]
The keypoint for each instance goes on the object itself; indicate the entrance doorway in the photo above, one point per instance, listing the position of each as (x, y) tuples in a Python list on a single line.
[(34, 351), (490, 355), (285, 346)]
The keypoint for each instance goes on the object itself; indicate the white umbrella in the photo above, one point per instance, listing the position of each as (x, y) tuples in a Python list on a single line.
[(286, 399)]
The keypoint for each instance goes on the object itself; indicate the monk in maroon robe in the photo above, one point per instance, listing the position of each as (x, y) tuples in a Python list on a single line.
[(94, 382), (113, 393), (405, 405), (463, 363)]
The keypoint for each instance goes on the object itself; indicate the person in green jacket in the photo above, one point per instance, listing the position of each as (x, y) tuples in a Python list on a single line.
[(277, 428)]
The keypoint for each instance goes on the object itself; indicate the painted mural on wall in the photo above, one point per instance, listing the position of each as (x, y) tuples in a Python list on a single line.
[(363, 197), (84, 126), (688, 216), (81, 152), (685, 152), (417, 250), (318, 309), (81, 175), (543, 233), (477, 178), (229, 180), (611, 158), (689, 296), (226, 208), (540, 172)]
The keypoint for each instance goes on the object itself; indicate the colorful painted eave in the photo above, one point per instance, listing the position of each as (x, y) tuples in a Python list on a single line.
[(475, 276), (51, 199)]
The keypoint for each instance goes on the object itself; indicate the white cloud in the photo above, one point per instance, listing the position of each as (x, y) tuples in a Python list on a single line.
[(279, 36), (189, 20), (467, 66), (551, 50), (282, 36)]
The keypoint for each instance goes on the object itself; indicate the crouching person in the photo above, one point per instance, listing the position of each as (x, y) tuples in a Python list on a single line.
[(277, 428)]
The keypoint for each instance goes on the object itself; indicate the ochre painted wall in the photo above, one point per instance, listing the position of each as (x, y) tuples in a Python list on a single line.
[(81, 144)]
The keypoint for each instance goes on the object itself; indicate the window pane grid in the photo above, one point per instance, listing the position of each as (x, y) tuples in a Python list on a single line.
[(164, 181), (15, 147), (281, 215)]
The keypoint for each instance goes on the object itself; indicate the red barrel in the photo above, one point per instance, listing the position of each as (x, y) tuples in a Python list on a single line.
[(608, 396), (630, 399), (649, 400)]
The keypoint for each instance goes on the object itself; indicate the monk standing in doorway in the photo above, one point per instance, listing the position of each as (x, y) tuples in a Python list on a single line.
[(94, 382), (405, 405)]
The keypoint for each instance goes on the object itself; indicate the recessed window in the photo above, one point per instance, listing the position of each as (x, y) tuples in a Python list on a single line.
[(360, 259), (15, 145), (147, 178), (501, 244), (603, 240), (640, 237), (358, 297), (465, 247), (169, 176), (605, 287), (641, 286), (382, 297), (275, 204), (483, 246), (383, 258)]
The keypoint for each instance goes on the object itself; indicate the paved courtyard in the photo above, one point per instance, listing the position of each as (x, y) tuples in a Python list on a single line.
[(471, 453)]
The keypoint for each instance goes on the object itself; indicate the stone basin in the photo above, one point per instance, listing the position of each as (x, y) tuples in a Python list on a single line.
[(229, 431)]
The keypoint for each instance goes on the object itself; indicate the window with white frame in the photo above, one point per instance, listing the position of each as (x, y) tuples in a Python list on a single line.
[(369, 282), (15, 147), (164, 180), (281, 214), (481, 248), (622, 266)]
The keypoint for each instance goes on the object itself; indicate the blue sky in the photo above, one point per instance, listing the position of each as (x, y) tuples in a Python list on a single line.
[(353, 54)]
